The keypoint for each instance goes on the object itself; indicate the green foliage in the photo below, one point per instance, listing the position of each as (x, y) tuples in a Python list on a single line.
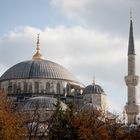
[(60, 126), (84, 125)]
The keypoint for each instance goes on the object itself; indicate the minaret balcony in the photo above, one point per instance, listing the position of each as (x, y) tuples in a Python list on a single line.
[(132, 109), (131, 80)]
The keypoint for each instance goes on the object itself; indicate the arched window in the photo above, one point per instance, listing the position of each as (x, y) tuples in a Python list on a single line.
[(58, 88), (9, 88), (47, 87), (19, 88), (25, 87), (30, 88), (14, 88), (36, 87), (68, 89)]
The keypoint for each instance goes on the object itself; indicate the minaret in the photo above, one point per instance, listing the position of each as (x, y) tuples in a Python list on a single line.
[(132, 108), (38, 55)]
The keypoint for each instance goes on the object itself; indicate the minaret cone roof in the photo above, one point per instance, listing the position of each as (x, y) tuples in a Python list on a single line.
[(131, 48)]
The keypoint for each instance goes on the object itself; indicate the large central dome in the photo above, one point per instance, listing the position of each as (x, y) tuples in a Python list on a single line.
[(38, 69), (38, 77)]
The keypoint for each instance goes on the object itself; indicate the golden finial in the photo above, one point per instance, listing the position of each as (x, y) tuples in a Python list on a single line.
[(38, 43), (37, 55), (94, 80)]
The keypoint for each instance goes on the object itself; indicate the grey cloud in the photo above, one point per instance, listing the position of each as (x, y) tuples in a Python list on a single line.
[(105, 15)]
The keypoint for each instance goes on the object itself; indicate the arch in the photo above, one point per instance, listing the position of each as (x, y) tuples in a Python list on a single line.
[(58, 88), (9, 88), (36, 87), (30, 88), (14, 88), (48, 87), (19, 88), (25, 87), (68, 89)]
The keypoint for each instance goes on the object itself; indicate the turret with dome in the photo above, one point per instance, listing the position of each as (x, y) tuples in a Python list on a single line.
[(93, 89), (95, 94)]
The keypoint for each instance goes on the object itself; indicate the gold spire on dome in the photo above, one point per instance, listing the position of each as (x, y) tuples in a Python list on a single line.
[(38, 55), (94, 81)]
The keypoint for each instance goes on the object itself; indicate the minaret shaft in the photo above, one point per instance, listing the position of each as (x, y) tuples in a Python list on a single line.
[(132, 99), (131, 65), (132, 109)]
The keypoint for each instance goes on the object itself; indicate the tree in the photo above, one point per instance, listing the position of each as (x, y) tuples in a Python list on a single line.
[(37, 124), (11, 123), (133, 132), (84, 125), (90, 125), (116, 129), (60, 124)]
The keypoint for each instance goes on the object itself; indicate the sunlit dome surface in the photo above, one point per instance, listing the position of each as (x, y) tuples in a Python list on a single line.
[(38, 69), (42, 103)]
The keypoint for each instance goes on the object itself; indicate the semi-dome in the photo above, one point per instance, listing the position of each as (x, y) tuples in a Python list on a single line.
[(37, 69), (42, 103), (93, 89), (90, 106)]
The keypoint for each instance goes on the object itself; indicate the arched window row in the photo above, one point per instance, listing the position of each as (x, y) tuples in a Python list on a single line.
[(35, 87)]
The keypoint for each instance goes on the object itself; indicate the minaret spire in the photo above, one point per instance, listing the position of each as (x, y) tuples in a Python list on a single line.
[(38, 55), (131, 80), (131, 49)]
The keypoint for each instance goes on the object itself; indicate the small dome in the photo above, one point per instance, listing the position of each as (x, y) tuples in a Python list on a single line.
[(42, 103), (90, 106), (93, 89)]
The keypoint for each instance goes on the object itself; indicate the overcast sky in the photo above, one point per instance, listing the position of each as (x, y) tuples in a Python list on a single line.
[(88, 37)]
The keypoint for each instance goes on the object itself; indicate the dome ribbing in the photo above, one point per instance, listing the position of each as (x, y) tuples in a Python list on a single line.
[(38, 69), (93, 89)]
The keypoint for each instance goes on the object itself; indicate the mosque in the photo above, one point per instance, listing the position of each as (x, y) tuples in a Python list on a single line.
[(40, 77), (40, 80)]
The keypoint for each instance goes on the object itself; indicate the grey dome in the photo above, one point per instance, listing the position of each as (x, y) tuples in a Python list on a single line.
[(38, 69), (93, 89), (90, 106), (42, 103)]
